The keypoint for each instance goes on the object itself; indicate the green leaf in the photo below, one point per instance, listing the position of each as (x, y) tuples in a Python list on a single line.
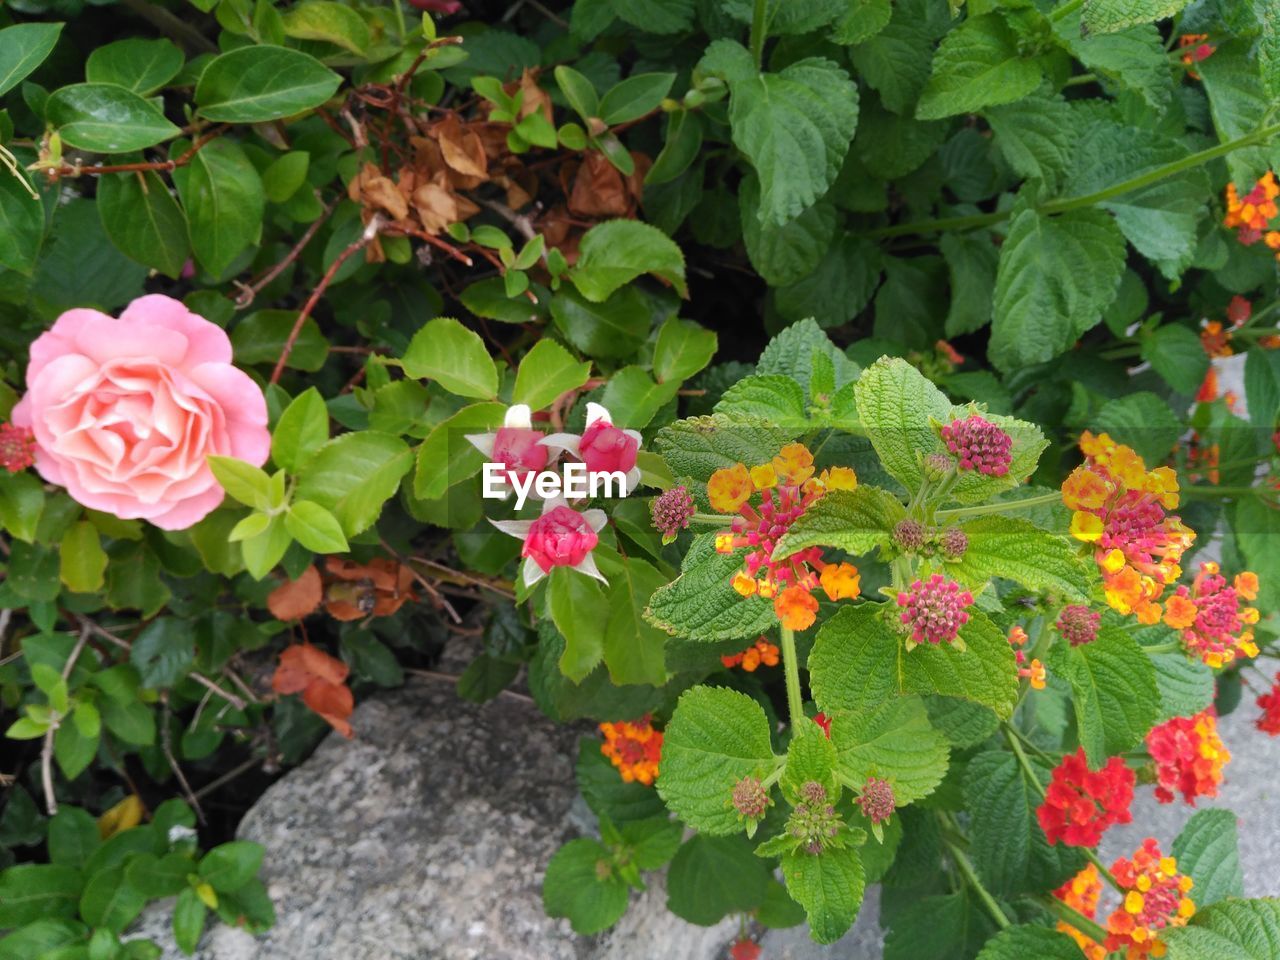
[(1011, 852), (1020, 943), (1142, 421), (21, 224), (579, 91), (1208, 851), (634, 97), (259, 83), (895, 403), (73, 836), (1018, 550), (83, 561), (353, 475), (546, 372), (160, 876), (447, 352), (242, 481), (163, 652), (330, 22), (1108, 16), (446, 457), (260, 338), (607, 794), (614, 328), (702, 604), (861, 20), (715, 738), (1114, 691), (977, 65), (37, 891), (943, 927), (856, 521), (894, 742), (301, 430), (580, 609), (1035, 136), (23, 47), (838, 288), (188, 921), (793, 352), (895, 62), (795, 127), (1269, 46), (682, 144), (652, 843), (616, 252), (633, 398), (1055, 278), (1175, 352), (777, 400), (222, 194), (1132, 59), (829, 886), (656, 16), (143, 66), (1231, 930), (581, 884), (1238, 104), (859, 660), (633, 648), (108, 901), (286, 175), (143, 220), (1186, 686), (811, 758), (682, 349), (699, 446), (785, 253), (712, 877), (229, 866), (105, 118), (315, 528)]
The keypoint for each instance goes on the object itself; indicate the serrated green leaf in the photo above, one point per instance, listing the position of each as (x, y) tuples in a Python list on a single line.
[(856, 521), (1011, 852), (1022, 943), (1230, 930), (581, 884), (829, 886), (699, 446), (1035, 136), (607, 794), (315, 528), (712, 877), (1208, 851), (1142, 421), (1238, 104), (791, 354), (777, 400), (1107, 16), (1134, 58), (859, 660), (701, 603), (895, 403), (895, 62), (1017, 550), (715, 738), (894, 741), (1175, 352), (163, 652), (784, 253), (1186, 686), (1114, 691), (838, 288), (977, 65)]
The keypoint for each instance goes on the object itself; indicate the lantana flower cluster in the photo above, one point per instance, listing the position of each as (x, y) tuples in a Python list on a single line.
[(762, 652), (1121, 510), (1155, 898), (1213, 624), (1189, 757), (1081, 893), (787, 487), (1033, 672), (933, 611), (1251, 216), (634, 747), (1269, 722), (1081, 804)]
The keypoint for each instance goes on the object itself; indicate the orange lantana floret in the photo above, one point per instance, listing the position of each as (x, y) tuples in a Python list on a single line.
[(794, 463), (730, 488), (1081, 893), (1215, 339), (635, 748), (762, 652), (796, 607), (841, 581)]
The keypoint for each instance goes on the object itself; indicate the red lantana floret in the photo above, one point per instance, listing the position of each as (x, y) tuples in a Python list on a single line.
[(1081, 804), (17, 447), (933, 609), (634, 747), (1269, 722), (978, 444), (1189, 757)]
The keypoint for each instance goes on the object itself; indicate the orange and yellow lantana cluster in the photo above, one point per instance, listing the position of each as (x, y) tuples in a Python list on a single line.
[(787, 487), (1251, 215), (762, 652), (1120, 508), (1155, 898), (1081, 893), (634, 747), (1214, 625)]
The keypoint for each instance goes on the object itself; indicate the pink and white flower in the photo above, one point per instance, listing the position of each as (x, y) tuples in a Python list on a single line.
[(603, 447), (561, 537), (519, 448)]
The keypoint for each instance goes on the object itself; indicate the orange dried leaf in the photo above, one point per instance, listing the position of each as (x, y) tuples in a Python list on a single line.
[(297, 598), (302, 663), (332, 701)]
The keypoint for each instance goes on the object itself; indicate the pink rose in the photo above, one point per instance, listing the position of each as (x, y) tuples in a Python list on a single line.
[(125, 411)]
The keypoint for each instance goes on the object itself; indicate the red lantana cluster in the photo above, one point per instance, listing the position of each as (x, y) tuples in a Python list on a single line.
[(1081, 804), (1251, 215), (634, 748), (1155, 898), (1269, 722), (1189, 757)]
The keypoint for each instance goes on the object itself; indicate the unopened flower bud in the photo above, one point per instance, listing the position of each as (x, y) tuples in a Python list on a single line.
[(672, 512), (750, 798), (908, 535), (954, 542)]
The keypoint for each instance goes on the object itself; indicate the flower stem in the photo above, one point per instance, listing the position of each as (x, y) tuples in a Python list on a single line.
[(791, 666), (1032, 776), (1005, 506), (1104, 870), (1074, 918), (1066, 204), (1208, 492), (1173, 646), (711, 519), (1071, 6), (971, 878)]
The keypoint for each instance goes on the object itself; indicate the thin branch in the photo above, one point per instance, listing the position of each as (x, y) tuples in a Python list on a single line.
[(67, 170), (448, 574), (358, 244), (434, 675), (249, 291), (166, 744), (46, 750), (426, 584), (227, 777), (172, 25)]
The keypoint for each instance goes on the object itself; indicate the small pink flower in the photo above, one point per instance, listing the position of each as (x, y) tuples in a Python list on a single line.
[(125, 412), (934, 611), (603, 447), (978, 444), (561, 537), (516, 445)]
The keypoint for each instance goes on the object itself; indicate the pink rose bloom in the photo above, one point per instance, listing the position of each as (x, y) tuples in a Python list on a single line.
[(603, 447), (561, 537), (125, 411)]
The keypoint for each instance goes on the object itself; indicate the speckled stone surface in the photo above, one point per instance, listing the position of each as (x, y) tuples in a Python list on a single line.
[(425, 838)]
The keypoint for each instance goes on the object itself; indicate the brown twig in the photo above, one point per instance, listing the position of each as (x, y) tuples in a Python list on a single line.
[(67, 170), (355, 246), (166, 745), (448, 574), (450, 249), (249, 291), (227, 777), (433, 675), (426, 584), (46, 750)]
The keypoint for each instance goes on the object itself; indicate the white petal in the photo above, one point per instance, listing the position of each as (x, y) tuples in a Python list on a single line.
[(515, 528), (552, 503), (483, 442), (596, 412), (588, 566), (596, 519), (518, 415), (532, 572), (562, 441), (633, 479), (634, 435)]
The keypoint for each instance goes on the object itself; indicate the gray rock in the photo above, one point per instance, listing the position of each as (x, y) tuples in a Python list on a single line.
[(426, 838)]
